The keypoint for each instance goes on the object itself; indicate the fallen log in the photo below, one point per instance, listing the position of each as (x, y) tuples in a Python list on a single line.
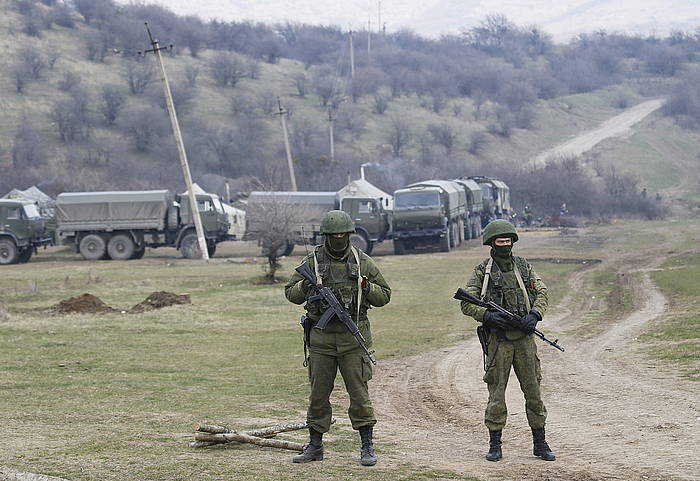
[(269, 432), (245, 438)]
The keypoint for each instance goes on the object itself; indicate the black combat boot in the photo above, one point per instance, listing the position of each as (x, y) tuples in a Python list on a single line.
[(312, 451), (494, 453), (540, 447), (367, 455)]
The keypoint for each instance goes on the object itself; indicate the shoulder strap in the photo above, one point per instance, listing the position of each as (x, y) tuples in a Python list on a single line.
[(487, 276), (519, 277), (359, 281), (319, 281)]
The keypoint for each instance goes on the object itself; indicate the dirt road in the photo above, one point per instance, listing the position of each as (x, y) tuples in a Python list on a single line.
[(613, 127), (613, 414)]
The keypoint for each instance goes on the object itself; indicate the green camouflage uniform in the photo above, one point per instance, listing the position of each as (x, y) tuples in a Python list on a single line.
[(510, 347), (334, 347)]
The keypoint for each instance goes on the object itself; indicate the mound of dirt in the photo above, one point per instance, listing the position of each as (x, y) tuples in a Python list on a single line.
[(84, 304), (159, 300)]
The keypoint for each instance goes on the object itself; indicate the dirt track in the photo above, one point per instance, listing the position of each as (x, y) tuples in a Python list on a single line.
[(612, 414)]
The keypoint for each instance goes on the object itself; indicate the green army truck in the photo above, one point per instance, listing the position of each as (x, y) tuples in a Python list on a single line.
[(496, 196), (22, 231), (475, 205), (368, 206), (120, 225), (429, 213)]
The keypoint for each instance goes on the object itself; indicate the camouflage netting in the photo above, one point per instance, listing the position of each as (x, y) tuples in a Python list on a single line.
[(86, 303), (161, 299)]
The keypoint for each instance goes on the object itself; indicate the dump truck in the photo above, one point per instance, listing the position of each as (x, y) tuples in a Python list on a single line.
[(496, 197), (368, 206), (120, 225), (429, 213), (472, 219), (22, 231)]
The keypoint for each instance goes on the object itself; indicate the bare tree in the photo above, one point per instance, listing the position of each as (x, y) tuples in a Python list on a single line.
[(381, 103), (69, 81), (275, 223), (33, 61), (52, 55), (324, 85), (227, 69), (21, 76), (72, 116), (191, 74), (399, 135), (144, 126), (138, 75), (443, 134), (301, 82), (28, 145), (111, 102)]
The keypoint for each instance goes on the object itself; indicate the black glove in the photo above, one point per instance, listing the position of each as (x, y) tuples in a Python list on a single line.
[(495, 320), (529, 321)]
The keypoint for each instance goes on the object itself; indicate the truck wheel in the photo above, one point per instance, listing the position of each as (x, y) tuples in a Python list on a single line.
[(189, 247), (445, 243), (399, 247), (468, 227), (8, 252), (92, 247), (460, 231), (121, 247), (476, 230), (211, 249), (138, 253), (360, 241), (25, 255)]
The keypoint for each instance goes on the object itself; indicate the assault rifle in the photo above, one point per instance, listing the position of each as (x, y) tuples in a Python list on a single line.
[(513, 320), (335, 308)]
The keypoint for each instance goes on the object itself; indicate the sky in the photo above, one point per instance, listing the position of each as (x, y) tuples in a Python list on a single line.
[(563, 19)]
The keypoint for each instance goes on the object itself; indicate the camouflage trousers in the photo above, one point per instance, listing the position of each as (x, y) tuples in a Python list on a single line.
[(356, 370), (522, 356)]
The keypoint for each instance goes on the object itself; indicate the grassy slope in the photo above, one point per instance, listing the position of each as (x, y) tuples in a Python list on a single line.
[(555, 121)]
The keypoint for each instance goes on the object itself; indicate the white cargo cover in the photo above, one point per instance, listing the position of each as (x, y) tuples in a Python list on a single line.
[(363, 189)]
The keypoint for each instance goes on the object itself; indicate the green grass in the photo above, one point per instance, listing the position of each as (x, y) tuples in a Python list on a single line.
[(112, 395), (676, 339)]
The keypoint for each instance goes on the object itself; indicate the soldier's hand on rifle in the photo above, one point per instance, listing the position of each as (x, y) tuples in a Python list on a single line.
[(306, 287), (495, 320), (530, 321)]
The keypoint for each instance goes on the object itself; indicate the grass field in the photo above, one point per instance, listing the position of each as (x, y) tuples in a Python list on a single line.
[(113, 396)]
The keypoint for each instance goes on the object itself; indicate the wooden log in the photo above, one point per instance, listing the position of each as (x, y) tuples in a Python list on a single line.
[(211, 428), (245, 438), (268, 432), (204, 444)]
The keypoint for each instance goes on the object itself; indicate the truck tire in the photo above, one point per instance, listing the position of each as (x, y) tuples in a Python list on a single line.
[(445, 243), (25, 255), (211, 249), (121, 247), (138, 253), (8, 252), (468, 227), (460, 231), (360, 241), (189, 246), (399, 247), (476, 229), (93, 247)]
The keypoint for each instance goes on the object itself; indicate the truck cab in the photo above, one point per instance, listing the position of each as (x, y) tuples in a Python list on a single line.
[(372, 223), (214, 218), (22, 230)]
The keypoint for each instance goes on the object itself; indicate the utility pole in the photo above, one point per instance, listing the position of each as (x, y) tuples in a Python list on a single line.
[(331, 120), (352, 57), (379, 16), (369, 39), (282, 113), (194, 210)]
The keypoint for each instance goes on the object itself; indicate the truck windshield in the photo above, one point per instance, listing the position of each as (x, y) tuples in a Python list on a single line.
[(219, 206), (31, 211), (411, 200)]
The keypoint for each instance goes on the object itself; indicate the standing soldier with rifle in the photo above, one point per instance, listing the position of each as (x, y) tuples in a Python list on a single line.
[(512, 283), (336, 271)]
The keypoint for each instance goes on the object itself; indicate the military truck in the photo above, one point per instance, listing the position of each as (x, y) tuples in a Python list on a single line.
[(429, 213), (22, 231), (120, 225), (368, 206), (496, 199), (472, 220)]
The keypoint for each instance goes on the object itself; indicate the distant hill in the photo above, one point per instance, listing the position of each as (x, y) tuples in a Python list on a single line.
[(563, 19)]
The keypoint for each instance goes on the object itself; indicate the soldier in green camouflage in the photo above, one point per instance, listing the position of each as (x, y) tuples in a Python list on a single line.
[(358, 284), (511, 282)]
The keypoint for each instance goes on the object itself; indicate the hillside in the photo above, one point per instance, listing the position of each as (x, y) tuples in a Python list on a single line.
[(233, 131)]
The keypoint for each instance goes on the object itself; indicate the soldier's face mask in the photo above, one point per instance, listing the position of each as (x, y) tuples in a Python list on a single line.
[(502, 247), (338, 245)]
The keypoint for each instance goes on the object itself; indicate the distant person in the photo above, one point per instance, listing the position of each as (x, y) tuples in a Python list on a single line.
[(563, 210), (355, 279), (658, 197), (511, 282), (527, 215), (644, 193)]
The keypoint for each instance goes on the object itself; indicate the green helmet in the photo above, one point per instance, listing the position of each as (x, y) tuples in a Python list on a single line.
[(337, 222), (499, 228)]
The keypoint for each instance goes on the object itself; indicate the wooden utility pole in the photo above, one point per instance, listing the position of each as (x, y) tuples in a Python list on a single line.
[(352, 57), (331, 120), (194, 210), (379, 16), (282, 113), (369, 39)]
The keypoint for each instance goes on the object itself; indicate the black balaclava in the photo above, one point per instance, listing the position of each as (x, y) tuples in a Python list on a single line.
[(502, 256), (338, 247)]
